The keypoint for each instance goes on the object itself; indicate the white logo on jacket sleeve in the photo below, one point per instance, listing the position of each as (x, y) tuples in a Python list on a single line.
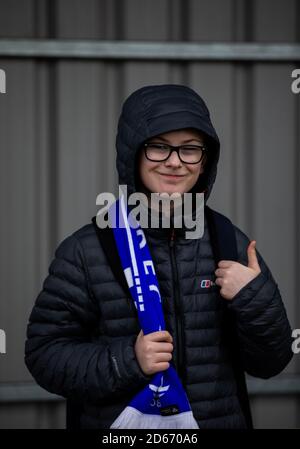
[(207, 283)]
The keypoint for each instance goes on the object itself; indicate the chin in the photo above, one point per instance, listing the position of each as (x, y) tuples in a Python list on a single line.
[(173, 190), (168, 188)]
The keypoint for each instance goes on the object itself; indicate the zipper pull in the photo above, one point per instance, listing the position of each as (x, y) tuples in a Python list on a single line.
[(172, 237)]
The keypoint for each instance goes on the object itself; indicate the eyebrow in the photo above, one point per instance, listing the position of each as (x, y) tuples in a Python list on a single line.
[(194, 139)]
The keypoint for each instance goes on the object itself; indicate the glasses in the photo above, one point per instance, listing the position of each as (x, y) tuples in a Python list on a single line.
[(188, 154)]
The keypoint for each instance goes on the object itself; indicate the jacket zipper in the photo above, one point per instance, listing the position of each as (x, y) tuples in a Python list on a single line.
[(178, 314)]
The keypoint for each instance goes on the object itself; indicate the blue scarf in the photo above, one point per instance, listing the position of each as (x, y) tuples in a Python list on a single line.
[(163, 403)]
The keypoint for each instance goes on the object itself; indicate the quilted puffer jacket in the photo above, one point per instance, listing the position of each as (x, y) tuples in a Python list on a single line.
[(83, 327)]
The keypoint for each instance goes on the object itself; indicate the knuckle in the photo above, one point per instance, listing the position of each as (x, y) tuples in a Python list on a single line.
[(148, 355), (148, 347)]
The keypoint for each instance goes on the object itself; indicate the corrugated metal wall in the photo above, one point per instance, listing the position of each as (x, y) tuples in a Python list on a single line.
[(57, 132)]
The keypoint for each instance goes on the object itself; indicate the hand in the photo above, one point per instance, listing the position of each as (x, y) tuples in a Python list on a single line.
[(154, 351), (233, 276)]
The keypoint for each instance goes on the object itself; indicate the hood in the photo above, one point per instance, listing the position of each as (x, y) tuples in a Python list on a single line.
[(152, 110)]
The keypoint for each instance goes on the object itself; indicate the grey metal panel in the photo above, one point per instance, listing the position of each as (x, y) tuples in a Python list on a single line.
[(18, 196), (75, 21), (58, 122), (146, 20), (33, 416), (243, 147), (275, 413), (173, 51), (273, 193), (296, 236), (136, 75), (274, 155), (45, 163), (274, 131), (275, 20), (214, 83), (82, 155), (110, 111), (242, 21), (17, 18), (210, 21), (280, 385), (25, 392)]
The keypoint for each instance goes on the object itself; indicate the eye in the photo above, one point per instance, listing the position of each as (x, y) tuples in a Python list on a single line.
[(192, 147), (158, 146)]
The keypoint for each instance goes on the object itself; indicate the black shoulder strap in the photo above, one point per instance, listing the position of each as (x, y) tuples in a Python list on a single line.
[(222, 236), (108, 243), (224, 247)]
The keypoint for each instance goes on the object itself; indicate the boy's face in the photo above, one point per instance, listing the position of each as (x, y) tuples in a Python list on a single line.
[(172, 175)]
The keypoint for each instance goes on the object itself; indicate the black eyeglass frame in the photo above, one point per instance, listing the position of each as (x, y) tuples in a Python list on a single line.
[(174, 148)]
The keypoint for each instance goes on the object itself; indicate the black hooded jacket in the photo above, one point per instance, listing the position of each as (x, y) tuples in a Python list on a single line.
[(83, 327)]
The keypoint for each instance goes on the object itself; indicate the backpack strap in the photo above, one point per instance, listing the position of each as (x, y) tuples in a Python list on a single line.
[(108, 244), (224, 247), (222, 234)]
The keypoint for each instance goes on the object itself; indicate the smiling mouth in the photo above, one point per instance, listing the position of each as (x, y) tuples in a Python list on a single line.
[(171, 176)]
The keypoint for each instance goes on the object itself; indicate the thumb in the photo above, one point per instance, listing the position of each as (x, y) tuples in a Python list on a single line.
[(141, 334), (252, 258)]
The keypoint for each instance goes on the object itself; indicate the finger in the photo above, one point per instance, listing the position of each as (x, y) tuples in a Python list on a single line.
[(162, 357), (163, 366), (252, 257), (219, 281), (226, 263), (160, 336), (162, 347), (220, 272)]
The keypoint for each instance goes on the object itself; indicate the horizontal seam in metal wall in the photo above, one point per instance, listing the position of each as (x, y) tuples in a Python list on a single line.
[(126, 50), (30, 392)]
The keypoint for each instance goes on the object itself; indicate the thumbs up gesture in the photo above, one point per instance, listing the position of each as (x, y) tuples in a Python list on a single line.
[(232, 276)]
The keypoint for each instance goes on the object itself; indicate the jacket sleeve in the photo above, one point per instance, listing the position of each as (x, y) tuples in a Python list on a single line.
[(264, 332), (59, 351)]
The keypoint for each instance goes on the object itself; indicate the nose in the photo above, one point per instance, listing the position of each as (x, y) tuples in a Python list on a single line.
[(173, 160)]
